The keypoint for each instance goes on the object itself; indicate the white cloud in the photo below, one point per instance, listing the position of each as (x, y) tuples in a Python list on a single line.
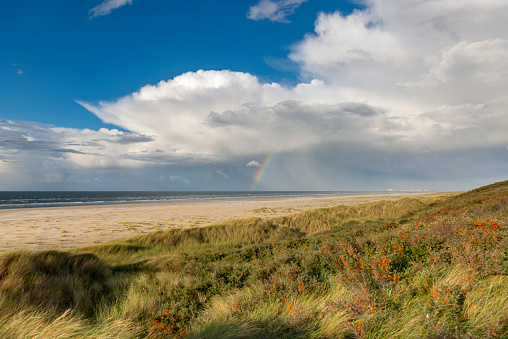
[(253, 163), (341, 40), (215, 115), (275, 11), (219, 114), (472, 67), (107, 6)]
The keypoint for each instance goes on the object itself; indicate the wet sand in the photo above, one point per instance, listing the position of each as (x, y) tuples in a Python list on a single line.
[(66, 227)]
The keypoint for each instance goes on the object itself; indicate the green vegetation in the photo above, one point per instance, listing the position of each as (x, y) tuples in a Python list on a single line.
[(413, 268)]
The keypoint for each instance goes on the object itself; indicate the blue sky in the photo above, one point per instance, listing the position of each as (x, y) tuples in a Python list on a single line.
[(195, 95), (64, 55)]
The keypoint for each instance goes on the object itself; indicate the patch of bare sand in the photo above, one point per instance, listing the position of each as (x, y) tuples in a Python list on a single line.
[(65, 227)]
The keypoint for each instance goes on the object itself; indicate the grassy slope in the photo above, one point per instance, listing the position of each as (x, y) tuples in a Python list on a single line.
[(410, 268)]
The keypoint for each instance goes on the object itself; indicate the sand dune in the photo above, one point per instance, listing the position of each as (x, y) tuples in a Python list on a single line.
[(66, 227)]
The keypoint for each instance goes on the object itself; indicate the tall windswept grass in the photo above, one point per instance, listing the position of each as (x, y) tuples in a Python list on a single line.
[(412, 268), (37, 324), (315, 221), (53, 280)]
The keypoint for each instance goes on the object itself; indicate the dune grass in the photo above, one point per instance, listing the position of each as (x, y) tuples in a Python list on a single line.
[(412, 268)]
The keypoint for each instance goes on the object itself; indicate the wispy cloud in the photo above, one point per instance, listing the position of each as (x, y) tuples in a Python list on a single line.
[(107, 6), (22, 140), (19, 71), (275, 11)]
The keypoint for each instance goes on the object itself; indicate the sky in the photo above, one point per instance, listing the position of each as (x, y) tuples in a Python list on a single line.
[(253, 94)]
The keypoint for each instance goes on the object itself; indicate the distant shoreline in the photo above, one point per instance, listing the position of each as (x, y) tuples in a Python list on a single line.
[(43, 199)]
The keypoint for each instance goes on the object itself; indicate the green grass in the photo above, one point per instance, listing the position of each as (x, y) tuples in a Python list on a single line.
[(432, 267)]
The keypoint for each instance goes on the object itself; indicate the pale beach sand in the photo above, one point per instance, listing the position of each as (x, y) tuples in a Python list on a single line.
[(65, 227)]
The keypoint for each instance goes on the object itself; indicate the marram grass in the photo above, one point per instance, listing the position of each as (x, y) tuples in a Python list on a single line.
[(413, 268)]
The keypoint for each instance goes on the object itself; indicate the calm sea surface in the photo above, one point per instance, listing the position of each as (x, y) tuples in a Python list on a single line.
[(55, 199)]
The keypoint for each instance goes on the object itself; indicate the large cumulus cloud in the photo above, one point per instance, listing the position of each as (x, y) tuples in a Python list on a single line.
[(223, 113)]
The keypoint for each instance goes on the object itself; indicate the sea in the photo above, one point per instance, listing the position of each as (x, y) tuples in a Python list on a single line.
[(35, 199)]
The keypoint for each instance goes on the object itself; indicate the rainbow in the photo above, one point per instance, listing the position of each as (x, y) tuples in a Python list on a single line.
[(262, 170)]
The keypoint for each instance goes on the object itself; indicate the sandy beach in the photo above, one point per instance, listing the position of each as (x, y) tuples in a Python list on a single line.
[(66, 227)]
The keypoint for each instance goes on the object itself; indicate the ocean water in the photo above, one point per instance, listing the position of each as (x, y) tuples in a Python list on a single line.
[(55, 199)]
